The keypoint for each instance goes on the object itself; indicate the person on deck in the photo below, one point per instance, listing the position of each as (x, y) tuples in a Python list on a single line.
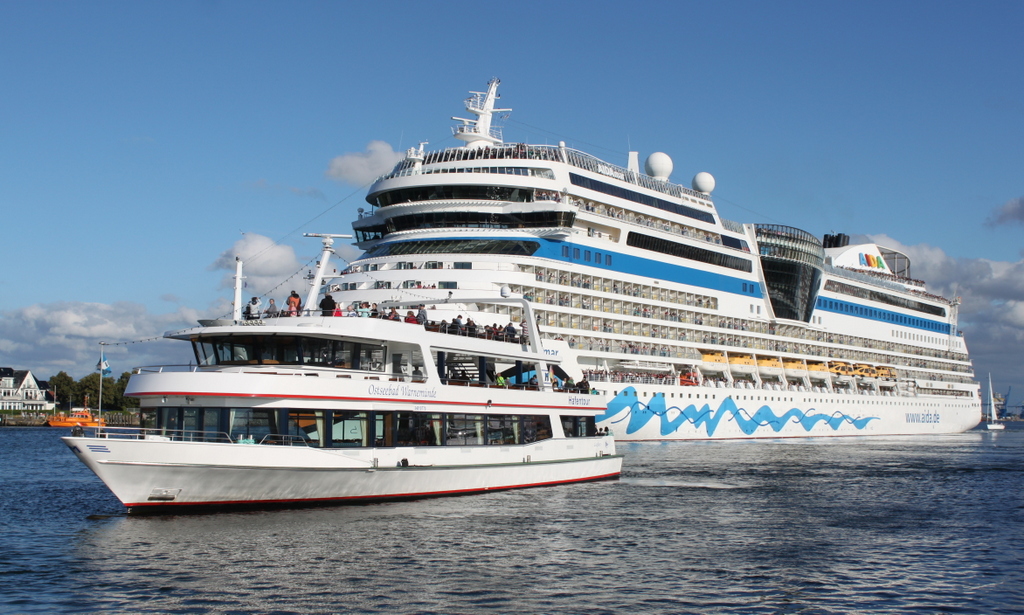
[(293, 304), (252, 309), (272, 310), (327, 305)]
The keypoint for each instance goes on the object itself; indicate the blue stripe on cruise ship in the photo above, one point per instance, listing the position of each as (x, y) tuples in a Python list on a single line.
[(639, 414), (847, 308), (626, 263)]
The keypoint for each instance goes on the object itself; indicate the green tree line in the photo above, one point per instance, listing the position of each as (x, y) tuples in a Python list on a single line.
[(71, 393)]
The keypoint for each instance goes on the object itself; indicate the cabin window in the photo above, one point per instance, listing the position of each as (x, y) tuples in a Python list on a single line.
[(536, 428), (417, 429), (250, 424), (503, 430), (305, 427), (350, 429), (465, 429), (578, 426)]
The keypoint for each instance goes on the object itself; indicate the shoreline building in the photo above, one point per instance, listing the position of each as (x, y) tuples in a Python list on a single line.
[(20, 390)]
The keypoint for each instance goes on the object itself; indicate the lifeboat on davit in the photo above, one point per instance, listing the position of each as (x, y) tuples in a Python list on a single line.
[(769, 366), (816, 370), (713, 362), (742, 364), (794, 368)]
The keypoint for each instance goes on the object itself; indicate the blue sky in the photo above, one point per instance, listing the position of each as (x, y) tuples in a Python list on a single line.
[(142, 144)]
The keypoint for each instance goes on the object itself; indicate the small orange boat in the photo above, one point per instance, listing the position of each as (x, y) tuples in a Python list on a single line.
[(80, 417)]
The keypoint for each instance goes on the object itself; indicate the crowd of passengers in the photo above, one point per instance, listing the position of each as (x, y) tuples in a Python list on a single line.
[(631, 377), (329, 307)]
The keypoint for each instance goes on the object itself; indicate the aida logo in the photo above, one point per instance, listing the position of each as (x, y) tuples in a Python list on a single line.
[(870, 260)]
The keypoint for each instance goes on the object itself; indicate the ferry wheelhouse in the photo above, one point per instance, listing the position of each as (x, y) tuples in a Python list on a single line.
[(691, 326)]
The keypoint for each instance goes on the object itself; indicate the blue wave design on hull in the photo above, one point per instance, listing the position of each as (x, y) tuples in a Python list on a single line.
[(640, 414)]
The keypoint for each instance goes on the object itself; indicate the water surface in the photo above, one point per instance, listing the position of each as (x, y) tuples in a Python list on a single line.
[(865, 525)]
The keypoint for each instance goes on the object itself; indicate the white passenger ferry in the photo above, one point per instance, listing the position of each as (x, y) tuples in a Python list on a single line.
[(689, 325), (315, 408)]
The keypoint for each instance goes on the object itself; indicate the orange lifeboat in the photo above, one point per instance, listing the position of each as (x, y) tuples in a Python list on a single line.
[(80, 417)]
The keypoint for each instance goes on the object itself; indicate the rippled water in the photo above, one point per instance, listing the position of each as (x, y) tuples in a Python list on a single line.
[(909, 525)]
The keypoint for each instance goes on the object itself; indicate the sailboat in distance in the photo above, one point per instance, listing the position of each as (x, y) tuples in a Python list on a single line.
[(992, 418)]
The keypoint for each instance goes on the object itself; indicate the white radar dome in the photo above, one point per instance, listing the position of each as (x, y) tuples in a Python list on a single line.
[(658, 165), (703, 182)]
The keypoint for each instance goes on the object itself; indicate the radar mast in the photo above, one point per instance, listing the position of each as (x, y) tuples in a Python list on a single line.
[(478, 132)]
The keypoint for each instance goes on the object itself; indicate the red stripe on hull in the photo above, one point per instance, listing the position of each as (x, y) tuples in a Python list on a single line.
[(368, 498), (371, 399)]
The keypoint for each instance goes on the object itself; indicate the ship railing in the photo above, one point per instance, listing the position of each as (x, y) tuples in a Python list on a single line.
[(731, 225), (576, 158), (157, 435), (152, 434)]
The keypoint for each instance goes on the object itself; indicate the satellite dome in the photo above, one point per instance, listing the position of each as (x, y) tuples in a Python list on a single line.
[(658, 165), (703, 182)]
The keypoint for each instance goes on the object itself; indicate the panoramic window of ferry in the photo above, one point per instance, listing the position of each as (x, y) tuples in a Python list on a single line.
[(536, 427), (305, 426), (465, 429), (417, 429), (232, 350), (578, 426), (326, 353), (349, 428), (503, 429), (247, 423)]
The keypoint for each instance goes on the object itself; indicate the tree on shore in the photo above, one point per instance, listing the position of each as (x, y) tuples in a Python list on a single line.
[(64, 389), (71, 393)]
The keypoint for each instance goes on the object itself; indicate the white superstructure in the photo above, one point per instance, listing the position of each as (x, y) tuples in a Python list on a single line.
[(689, 325)]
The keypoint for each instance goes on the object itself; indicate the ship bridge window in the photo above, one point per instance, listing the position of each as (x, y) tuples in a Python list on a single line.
[(508, 247), (480, 219), (524, 171), (370, 234), (456, 192)]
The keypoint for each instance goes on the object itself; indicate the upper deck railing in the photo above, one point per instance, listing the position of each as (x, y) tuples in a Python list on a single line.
[(576, 158)]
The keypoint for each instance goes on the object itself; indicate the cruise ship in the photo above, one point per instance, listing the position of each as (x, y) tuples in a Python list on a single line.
[(689, 325)]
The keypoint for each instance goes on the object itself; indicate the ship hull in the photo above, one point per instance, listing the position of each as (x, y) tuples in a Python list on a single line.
[(150, 476)]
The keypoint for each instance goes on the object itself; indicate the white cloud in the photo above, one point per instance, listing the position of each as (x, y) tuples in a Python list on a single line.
[(1012, 211), (360, 169), (267, 266), (48, 338), (66, 335), (992, 312)]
